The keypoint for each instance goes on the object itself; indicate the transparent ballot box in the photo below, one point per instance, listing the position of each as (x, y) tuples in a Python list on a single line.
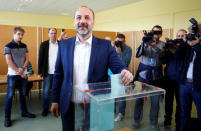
[(98, 104)]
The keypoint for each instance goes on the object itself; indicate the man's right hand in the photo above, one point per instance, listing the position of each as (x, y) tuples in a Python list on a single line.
[(55, 109)]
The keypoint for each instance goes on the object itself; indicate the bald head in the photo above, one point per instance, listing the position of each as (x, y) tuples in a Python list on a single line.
[(86, 8)]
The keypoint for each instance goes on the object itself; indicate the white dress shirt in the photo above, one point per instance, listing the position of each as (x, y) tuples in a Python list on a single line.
[(190, 68), (53, 49), (82, 53)]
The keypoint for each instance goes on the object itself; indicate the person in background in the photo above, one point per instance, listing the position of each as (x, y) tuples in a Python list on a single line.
[(17, 58), (46, 66), (150, 72), (171, 84), (125, 54), (189, 76), (29, 72)]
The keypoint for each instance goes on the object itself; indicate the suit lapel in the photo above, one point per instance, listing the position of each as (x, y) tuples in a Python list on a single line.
[(71, 56), (93, 56)]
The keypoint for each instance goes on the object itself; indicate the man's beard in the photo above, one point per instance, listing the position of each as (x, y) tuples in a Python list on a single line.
[(81, 32)]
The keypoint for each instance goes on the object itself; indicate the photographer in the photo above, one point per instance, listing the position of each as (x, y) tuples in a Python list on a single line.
[(189, 76), (171, 84), (150, 51), (122, 49), (125, 54)]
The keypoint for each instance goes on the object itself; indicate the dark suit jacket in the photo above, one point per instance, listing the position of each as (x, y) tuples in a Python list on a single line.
[(43, 58), (103, 56)]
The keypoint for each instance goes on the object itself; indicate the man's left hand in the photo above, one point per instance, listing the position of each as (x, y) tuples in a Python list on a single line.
[(127, 77)]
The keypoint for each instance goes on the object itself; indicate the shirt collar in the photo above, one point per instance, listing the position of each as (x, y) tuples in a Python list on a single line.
[(16, 43), (88, 41), (52, 43)]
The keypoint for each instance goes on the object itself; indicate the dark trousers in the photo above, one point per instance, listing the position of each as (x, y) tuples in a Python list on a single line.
[(172, 89), (14, 82), (187, 95), (68, 120), (154, 109), (122, 106), (77, 116)]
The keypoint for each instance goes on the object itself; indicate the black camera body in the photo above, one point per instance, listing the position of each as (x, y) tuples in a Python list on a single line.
[(118, 43), (172, 44), (191, 36), (62, 30), (148, 37)]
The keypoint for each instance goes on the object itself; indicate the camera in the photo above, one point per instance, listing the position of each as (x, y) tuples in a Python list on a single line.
[(148, 37), (62, 30), (194, 29), (118, 43), (171, 45)]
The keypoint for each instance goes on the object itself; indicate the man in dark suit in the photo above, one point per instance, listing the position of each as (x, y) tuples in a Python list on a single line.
[(46, 63), (80, 60)]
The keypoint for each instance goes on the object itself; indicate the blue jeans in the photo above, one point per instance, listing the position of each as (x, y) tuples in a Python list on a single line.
[(187, 95), (14, 82), (154, 109), (47, 89), (122, 106)]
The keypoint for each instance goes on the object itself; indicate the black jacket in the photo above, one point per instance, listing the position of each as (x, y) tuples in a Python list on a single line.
[(43, 58), (183, 54)]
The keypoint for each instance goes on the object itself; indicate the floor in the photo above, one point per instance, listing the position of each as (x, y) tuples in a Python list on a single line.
[(34, 105), (39, 123)]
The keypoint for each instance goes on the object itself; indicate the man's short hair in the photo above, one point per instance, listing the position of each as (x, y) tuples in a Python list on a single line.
[(120, 36), (89, 9), (158, 26), (181, 30), (52, 28), (16, 29)]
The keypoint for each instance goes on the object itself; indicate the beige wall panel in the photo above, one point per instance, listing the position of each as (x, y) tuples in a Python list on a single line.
[(70, 33), (139, 35), (103, 34), (6, 35)]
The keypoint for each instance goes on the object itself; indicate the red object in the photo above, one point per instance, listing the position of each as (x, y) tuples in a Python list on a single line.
[(85, 100), (87, 90), (143, 84), (145, 99)]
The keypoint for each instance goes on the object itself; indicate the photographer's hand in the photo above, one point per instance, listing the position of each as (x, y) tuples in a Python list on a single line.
[(61, 35), (193, 42), (118, 49)]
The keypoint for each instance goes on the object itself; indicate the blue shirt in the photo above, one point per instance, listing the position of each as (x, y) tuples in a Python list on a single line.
[(126, 55)]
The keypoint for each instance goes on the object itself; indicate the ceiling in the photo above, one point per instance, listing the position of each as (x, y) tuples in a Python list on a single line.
[(59, 7)]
